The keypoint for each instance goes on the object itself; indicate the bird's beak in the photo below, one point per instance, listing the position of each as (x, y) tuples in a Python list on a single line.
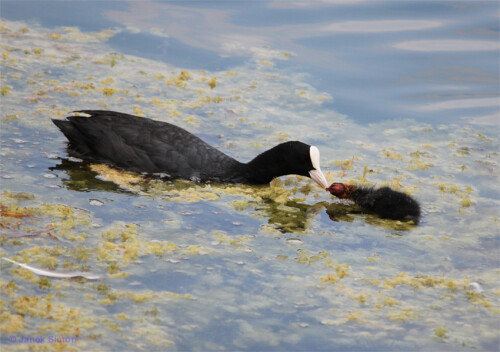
[(318, 176), (316, 173)]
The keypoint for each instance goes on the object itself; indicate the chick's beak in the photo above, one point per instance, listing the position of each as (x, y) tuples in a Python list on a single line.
[(318, 176)]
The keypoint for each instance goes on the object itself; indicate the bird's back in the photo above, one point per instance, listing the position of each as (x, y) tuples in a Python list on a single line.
[(144, 145)]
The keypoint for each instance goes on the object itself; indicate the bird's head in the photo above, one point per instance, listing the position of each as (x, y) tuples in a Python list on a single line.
[(340, 190), (289, 158)]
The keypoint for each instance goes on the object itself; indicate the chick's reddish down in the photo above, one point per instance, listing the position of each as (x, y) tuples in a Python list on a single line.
[(339, 190)]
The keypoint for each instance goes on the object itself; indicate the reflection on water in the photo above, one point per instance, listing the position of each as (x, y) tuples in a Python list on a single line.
[(82, 178), (191, 266), (271, 203), (350, 213), (287, 216)]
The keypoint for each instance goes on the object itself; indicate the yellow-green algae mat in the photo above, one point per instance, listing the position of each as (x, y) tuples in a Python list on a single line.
[(210, 267)]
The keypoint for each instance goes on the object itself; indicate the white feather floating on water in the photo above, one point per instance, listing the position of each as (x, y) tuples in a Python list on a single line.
[(55, 274)]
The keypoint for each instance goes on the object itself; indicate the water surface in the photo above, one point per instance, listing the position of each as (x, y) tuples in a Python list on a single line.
[(403, 94)]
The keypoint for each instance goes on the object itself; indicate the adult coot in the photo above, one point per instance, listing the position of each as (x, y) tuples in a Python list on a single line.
[(143, 145)]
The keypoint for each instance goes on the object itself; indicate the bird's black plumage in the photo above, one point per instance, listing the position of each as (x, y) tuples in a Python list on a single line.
[(144, 145), (384, 201)]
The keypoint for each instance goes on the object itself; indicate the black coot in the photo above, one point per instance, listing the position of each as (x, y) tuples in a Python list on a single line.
[(384, 201), (143, 145)]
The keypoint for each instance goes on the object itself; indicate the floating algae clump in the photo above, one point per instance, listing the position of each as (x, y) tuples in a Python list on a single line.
[(355, 315), (386, 302), (11, 323), (5, 90), (212, 82), (122, 178), (33, 306), (160, 248), (329, 279), (239, 241), (8, 288), (306, 257), (340, 270), (425, 281), (198, 250), (184, 75), (440, 332), (404, 315), (17, 212), (361, 298)]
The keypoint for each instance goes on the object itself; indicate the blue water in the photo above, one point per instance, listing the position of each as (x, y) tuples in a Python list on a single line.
[(369, 78)]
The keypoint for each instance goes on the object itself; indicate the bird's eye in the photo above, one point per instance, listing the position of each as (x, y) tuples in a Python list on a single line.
[(303, 159)]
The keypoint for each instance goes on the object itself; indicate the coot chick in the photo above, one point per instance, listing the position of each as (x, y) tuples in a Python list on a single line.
[(384, 201), (143, 145)]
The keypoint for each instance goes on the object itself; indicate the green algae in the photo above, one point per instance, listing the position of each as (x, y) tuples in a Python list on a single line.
[(11, 323), (306, 257), (440, 332), (404, 315)]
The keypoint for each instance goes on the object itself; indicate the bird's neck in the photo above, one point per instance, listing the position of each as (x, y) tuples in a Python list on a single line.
[(266, 166)]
